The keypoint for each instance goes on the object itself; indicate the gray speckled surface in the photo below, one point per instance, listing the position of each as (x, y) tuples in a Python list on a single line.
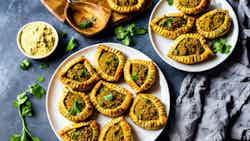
[(15, 13)]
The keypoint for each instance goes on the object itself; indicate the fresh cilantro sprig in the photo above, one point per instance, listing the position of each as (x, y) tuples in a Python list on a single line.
[(40, 79), (125, 34), (221, 46), (24, 107), (36, 90), (87, 23), (71, 44)]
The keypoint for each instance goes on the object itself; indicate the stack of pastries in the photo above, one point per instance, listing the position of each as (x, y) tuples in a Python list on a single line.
[(190, 28), (107, 97)]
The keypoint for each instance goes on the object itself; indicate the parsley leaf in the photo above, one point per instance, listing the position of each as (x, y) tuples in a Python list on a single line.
[(134, 77), (71, 44), (221, 46), (167, 23), (76, 108), (131, 29), (75, 135), (25, 64), (43, 65), (108, 97), (15, 137), (87, 23), (26, 109), (127, 41), (121, 32), (63, 34), (36, 90), (170, 2), (40, 79), (140, 31), (85, 73), (22, 98)]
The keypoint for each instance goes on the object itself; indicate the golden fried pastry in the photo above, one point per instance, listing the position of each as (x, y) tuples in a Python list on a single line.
[(109, 63), (110, 99), (190, 49), (84, 131), (116, 130), (172, 25), (192, 6), (139, 74), (126, 6), (78, 74), (148, 112), (213, 24), (75, 106)]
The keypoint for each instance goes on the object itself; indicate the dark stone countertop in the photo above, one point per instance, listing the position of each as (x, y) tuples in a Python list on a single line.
[(14, 14)]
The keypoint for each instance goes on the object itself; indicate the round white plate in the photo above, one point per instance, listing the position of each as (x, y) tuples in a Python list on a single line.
[(162, 45), (55, 89)]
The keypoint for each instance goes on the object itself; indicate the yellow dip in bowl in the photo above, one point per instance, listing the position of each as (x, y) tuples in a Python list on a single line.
[(37, 40)]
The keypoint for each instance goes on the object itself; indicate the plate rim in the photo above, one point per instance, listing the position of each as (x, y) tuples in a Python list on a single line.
[(52, 78), (183, 68)]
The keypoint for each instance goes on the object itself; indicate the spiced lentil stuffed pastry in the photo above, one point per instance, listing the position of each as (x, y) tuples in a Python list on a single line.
[(172, 25), (148, 112), (126, 6), (190, 49), (116, 130), (213, 24), (75, 106), (87, 131), (139, 74), (78, 74), (192, 6), (109, 63), (110, 99)]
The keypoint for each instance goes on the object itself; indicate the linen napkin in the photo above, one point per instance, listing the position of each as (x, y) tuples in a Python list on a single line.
[(210, 102)]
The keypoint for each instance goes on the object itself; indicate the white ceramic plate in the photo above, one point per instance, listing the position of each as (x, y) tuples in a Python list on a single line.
[(162, 45), (55, 89)]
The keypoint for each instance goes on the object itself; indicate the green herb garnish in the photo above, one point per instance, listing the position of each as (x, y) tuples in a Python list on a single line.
[(108, 97), (134, 77), (76, 108), (167, 23), (36, 90), (85, 73), (43, 65), (24, 110), (125, 34), (71, 44), (25, 64), (127, 41), (221, 46), (40, 79), (63, 34), (86, 23), (170, 2), (75, 135)]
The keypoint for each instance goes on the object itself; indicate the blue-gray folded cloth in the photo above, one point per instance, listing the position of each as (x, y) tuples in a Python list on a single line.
[(215, 105)]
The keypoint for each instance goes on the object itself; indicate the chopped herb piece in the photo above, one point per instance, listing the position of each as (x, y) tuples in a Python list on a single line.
[(40, 79), (36, 90), (140, 31), (85, 73), (167, 23), (63, 34), (25, 64), (134, 77), (127, 41), (131, 29), (108, 97), (221, 46), (27, 109), (71, 44), (43, 65), (121, 32), (170, 2), (15, 103), (22, 98), (87, 23), (76, 108), (75, 135)]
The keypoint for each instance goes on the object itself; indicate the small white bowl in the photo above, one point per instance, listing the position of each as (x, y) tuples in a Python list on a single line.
[(37, 57)]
